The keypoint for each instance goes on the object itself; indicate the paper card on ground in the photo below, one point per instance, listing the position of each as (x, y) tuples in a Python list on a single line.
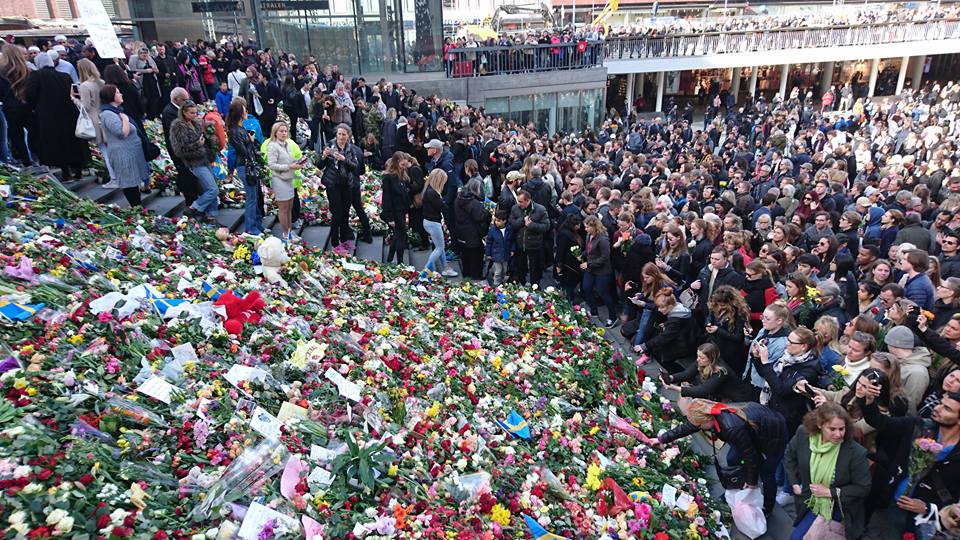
[(265, 424), (289, 410), (348, 389), (257, 517), (683, 501), (184, 353), (157, 388), (669, 497), (321, 477), (239, 373), (354, 267), (227, 531), (326, 455)]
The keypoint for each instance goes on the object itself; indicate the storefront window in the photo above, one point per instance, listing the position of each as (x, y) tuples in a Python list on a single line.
[(546, 109), (497, 107), (591, 112), (568, 108), (521, 109)]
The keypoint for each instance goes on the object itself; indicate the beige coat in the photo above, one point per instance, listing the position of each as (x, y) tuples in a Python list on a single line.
[(90, 98)]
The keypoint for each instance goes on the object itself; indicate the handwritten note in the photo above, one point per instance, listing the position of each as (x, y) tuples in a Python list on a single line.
[(157, 388), (265, 424)]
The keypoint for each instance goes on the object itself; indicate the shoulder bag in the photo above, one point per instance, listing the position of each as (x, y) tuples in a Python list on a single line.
[(85, 129)]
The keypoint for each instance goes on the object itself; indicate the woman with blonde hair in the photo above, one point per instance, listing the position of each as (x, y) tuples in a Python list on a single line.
[(827, 331), (757, 436), (88, 95), (433, 209), (280, 160)]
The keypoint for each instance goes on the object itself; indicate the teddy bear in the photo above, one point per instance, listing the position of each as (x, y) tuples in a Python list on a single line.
[(273, 255), (240, 310)]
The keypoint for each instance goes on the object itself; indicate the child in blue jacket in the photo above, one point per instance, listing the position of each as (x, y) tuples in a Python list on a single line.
[(499, 247), (223, 99)]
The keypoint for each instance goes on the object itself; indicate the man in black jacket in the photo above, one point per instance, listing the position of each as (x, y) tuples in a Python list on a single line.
[(896, 497), (950, 254), (717, 273), (186, 181), (530, 223)]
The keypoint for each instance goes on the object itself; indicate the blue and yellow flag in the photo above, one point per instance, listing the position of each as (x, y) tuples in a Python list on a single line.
[(18, 312), (163, 304), (516, 425), (538, 532), (212, 292)]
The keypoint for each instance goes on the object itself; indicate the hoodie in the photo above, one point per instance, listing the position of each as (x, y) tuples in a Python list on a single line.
[(872, 230), (915, 375)]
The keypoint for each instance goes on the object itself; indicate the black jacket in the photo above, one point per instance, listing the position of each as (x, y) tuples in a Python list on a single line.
[(723, 385), (700, 256), (529, 237), (729, 338), (542, 194), (396, 198), (726, 276), (850, 485), (782, 397), (949, 266), (763, 436), (473, 219), (940, 486), (340, 173), (678, 338), (568, 266), (433, 206)]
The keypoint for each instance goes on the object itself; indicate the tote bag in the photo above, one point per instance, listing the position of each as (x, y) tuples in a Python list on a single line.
[(85, 129)]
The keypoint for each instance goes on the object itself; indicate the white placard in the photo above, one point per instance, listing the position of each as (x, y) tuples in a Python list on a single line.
[(239, 373), (258, 516), (265, 424), (347, 388), (321, 477), (157, 388), (101, 31)]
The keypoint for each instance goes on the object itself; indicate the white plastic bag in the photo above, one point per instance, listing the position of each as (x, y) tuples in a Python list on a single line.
[(746, 505), (85, 129)]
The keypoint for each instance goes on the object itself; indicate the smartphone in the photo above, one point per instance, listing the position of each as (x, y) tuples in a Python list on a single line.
[(809, 391), (873, 377)]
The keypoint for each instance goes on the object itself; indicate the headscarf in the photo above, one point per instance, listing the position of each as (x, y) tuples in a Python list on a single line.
[(43, 60)]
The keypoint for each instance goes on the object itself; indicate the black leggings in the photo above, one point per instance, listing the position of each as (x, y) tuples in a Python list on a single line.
[(133, 196)]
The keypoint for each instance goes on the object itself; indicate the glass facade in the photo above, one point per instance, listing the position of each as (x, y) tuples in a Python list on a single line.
[(361, 36), (551, 112)]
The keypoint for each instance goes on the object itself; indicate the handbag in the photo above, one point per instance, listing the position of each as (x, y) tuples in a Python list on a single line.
[(731, 477), (825, 529), (150, 150), (85, 129), (690, 299)]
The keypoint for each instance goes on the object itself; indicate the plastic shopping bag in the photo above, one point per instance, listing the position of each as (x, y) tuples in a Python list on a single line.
[(746, 505)]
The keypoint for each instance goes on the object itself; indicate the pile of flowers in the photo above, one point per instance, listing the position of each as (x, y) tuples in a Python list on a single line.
[(157, 386)]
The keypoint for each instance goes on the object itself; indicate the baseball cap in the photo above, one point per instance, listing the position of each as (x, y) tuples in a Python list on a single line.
[(863, 201), (434, 143), (870, 191)]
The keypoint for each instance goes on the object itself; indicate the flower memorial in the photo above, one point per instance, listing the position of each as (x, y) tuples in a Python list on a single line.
[(158, 386)]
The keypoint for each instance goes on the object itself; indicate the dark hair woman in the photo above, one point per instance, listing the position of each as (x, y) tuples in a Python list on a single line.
[(248, 166), (132, 104), (567, 263), (126, 159), (842, 270), (397, 199), (759, 291), (727, 320), (708, 378), (830, 475)]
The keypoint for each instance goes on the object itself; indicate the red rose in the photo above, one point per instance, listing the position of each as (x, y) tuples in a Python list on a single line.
[(103, 521), (39, 532), (159, 535), (86, 479), (121, 532), (44, 474), (661, 536)]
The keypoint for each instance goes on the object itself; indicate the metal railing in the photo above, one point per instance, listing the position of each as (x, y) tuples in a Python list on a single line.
[(507, 60), (511, 59), (713, 43)]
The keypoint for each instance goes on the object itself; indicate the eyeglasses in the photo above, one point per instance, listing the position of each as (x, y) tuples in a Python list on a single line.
[(792, 342), (949, 242)]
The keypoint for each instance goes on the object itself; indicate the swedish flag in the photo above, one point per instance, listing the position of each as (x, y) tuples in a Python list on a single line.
[(163, 304), (18, 312), (538, 532), (516, 425), (219, 168), (212, 292)]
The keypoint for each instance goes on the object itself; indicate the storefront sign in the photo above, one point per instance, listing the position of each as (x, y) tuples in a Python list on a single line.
[(294, 5), (101, 30), (217, 7)]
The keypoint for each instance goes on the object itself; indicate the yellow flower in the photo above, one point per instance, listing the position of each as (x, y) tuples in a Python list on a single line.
[(137, 496), (433, 410), (393, 470), (241, 253), (500, 514), (593, 477), (75, 339), (594, 430), (840, 370)]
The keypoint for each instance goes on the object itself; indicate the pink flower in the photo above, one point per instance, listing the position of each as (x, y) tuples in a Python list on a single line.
[(105, 316)]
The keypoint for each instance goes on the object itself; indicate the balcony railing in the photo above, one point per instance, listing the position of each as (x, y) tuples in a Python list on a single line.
[(507, 60), (511, 59), (741, 41)]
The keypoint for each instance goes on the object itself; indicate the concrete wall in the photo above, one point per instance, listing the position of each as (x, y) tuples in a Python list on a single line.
[(476, 90)]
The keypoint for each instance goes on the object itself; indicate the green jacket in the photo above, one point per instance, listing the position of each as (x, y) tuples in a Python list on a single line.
[(850, 486), (295, 152)]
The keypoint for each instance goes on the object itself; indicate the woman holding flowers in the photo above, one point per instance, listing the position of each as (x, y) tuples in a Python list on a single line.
[(830, 475), (190, 145)]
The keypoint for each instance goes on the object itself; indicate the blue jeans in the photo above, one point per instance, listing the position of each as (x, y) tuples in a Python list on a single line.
[(644, 324), (437, 260), (597, 287), (251, 218), (208, 201)]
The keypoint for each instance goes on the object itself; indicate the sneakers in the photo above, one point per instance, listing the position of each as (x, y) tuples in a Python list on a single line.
[(449, 272), (292, 237), (784, 498), (611, 323)]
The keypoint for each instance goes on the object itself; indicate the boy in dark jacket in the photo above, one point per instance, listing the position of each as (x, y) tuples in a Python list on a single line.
[(499, 247)]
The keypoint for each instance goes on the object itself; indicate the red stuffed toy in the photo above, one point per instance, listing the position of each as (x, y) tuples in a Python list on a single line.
[(240, 310)]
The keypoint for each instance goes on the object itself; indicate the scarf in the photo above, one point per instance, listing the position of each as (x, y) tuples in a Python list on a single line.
[(823, 463), (785, 360), (111, 107)]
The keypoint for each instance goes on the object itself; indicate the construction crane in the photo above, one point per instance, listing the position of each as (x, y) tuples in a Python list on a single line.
[(511, 18), (608, 10)]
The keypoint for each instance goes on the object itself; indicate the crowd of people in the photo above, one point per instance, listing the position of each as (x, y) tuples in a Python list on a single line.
[(794, 272)]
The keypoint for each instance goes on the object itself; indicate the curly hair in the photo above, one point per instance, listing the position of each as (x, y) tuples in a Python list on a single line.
[(815, 419), (727, 305)]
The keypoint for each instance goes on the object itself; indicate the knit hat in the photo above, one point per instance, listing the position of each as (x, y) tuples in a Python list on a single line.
[(900, 337)]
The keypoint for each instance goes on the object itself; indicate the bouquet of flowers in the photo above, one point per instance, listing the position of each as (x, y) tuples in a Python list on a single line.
[(922, 457)]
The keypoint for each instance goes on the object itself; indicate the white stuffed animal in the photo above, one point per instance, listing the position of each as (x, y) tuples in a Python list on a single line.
[(273, 255)]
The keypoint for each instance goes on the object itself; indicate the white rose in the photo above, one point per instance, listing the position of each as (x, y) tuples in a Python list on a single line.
[(65, 525), (54, 517), (21, 528), (17, 517), (21, 471), (32, 488)]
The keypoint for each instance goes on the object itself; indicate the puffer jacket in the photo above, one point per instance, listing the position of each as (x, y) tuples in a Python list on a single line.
[(185, 138), (340, 173), (919, 288), (473, 220)]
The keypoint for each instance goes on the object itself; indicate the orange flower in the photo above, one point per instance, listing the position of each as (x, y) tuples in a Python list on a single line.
[(400, 513)]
